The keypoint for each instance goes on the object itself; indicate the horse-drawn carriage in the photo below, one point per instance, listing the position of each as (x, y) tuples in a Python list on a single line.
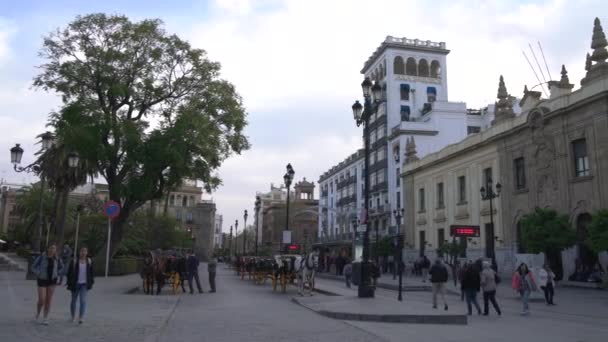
[(163, 267), (282, 270)]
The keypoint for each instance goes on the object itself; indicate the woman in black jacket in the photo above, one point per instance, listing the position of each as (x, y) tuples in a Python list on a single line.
[(80, 281), (470, 285)]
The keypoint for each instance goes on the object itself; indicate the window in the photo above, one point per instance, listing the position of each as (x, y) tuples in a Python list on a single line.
[(172, 200), (421, 201), (581, 159), (398, 176), (405, 113), (398, 66), (487, 177), (423, 68), (410, 67), (184, 201), (381, 154), (462, 189), (440, 203), (405, 92), (473, 129), (398, 200), (431, 93), (520, 173), (189, 217), (435, 69)]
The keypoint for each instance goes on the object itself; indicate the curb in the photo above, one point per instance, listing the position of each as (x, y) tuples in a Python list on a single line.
[(392, 318)]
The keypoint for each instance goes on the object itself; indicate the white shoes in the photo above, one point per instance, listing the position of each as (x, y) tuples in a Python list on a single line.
[(45, 322)]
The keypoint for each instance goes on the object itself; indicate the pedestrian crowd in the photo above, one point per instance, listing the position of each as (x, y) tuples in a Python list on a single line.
[(52, 267)]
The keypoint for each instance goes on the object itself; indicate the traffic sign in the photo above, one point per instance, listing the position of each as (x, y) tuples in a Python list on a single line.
[(111, 209)]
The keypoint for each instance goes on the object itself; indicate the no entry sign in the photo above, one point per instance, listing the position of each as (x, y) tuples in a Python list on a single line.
[(111, 209)]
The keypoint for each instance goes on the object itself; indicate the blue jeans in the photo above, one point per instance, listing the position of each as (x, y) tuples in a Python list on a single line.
[(525, 296), (81, 291), (471, 296)]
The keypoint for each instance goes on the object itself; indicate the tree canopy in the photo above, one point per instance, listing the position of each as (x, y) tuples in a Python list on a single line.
[(141, 106), (544, 230), (598, 231)]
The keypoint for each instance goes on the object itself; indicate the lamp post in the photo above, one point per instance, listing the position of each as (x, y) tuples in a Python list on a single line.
[(46, 140), (236, 237), (362, 115), (230, 243), (288, 178), (258, 204), (488, 193), (398, 215), (245, 233)]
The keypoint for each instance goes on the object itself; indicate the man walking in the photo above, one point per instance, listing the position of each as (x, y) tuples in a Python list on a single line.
[(211, 268), (439, 277), (193, 272)]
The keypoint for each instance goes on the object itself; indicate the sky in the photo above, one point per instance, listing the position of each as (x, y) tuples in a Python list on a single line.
[(296, 64)]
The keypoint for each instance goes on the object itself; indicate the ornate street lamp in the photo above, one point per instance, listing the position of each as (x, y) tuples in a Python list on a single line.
[(399, 244), (372, 94), (46, 141), (288, 178), (258, 204), (236, 237), (488, 193), (245, 233)]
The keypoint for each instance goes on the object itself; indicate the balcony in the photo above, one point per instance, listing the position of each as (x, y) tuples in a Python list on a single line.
[(346, 182), (324, 193), (347, 200), (379, 143), (382, 186), (379, 165)]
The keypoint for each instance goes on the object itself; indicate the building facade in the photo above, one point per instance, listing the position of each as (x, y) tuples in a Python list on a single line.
[(415, 105), (218, 237), (551, 156), (8, 200)]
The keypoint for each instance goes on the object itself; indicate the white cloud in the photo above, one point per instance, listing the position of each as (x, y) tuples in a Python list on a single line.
[(7, 30), (307, 55)]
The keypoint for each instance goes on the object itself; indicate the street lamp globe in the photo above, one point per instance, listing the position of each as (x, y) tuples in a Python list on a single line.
[(377, 92), (46, 139), (16, 154), (366, 86), (73, 160), (357, 111), (290, 170)]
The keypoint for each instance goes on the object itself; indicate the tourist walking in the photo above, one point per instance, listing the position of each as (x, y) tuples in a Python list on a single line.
[(193, 263), (425, 265), (488, 286), (80, 281), (547, 283), (47, 268), (524, 284), (211, 269), (66, 254), (470, 285), (348, 273), (439, 277)]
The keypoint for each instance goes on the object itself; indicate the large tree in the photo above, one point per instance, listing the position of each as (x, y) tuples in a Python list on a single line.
[(151, 110), (544, 230)]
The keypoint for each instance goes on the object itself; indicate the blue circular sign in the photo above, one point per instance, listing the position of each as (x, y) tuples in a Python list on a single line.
[(111, 209)]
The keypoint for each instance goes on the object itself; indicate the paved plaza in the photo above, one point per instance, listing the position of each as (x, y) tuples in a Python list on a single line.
[(242, 311)]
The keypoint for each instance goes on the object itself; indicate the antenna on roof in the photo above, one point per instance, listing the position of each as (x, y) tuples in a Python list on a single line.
[(535, 74), (544, 60), (537, 64)]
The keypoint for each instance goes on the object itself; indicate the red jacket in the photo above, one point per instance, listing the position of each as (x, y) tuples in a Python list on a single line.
[(515, 282)]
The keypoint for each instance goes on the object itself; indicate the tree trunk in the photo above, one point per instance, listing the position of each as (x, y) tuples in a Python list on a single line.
[(60, 217)]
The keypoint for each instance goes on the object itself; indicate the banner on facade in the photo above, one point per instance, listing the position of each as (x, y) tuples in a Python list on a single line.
[(287, 236)]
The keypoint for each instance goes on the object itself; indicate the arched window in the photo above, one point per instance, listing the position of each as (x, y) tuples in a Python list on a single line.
[(192, 201), (410, 67), (423, 68), (185, 201), (435, 69), (398, 66)]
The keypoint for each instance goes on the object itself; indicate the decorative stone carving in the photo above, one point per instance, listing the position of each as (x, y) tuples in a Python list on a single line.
[(544, 160), (410, 151), (504, 106)]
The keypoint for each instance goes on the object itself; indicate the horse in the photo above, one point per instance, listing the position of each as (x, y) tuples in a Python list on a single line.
[(147, 274), (305, 268)]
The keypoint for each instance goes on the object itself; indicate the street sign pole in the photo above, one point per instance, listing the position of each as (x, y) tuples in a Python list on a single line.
[(108, 245), (111, 209)]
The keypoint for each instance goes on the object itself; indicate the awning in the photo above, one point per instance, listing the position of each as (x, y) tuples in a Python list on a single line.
[(431, 90)]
